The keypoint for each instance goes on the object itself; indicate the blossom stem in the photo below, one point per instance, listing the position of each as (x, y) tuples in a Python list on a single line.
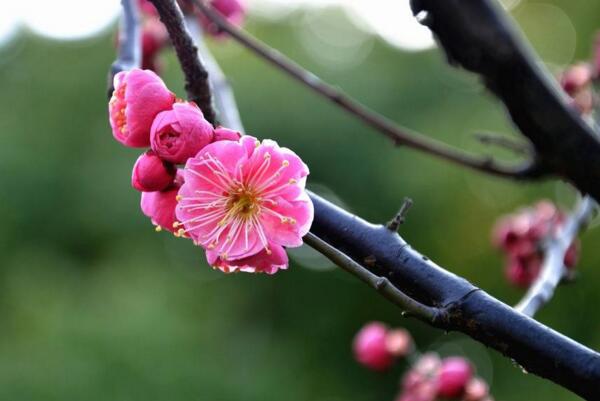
[(380, 284), (129, 49), (553, 268), (196, 77)]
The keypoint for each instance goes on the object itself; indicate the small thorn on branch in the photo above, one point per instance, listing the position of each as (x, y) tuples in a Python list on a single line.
[(395, 223)]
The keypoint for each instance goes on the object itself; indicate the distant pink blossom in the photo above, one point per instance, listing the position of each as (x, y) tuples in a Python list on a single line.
[(139, 95), (233, 10), (180, 133), (370, 348), (150, 173), (243, 198), (453, 377)]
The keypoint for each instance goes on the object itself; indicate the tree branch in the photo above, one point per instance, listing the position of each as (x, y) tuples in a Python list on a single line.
[(399, 135), (196, 77), (479, 36), (553, 269), (458, 304), (129, 52), (380, 284), (226, 106)]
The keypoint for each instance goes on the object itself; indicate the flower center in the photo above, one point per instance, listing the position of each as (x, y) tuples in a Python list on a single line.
[(243, 204)]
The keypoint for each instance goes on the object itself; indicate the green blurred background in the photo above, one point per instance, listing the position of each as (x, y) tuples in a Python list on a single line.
[(94, 305)]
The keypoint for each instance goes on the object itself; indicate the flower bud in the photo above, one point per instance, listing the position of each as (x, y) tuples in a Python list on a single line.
[(476, 390), (454, 375), (226, 134), (139, 95), (576, 78), (180, 133), (370, 347), (160, 207), (150, 173), (233, 10), (398, 342)]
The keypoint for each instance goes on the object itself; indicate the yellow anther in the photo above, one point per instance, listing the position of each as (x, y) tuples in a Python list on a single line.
[(292, 221), (158, 229), (284, 220), (178, 198), (256, 144), (292, 181), (285, 163), (176, 224)]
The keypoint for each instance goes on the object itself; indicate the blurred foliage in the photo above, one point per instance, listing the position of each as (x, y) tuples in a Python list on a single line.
[(96, 306)]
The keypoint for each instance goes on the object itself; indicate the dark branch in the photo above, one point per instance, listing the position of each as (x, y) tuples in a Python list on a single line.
[(458, 305), (537, 348), (479, 36), (129, 52), (399, 135), (196, 77), (553, 269), (380, 284)]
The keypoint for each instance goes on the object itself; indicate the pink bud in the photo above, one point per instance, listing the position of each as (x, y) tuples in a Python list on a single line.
[(572, 254), (454, 375), (160, 207), (476, 390), (146, 7), (370, 348), (150, 173), (596, 58), (575, 78), (521, 272), (398, 342), (154, 39), (180, 133), (138, 97), (233, 10), (226, 134)]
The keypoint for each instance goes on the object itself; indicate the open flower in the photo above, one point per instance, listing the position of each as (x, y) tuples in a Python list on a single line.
[(243, 198), (179, 134), (138, 97), (262, 262)]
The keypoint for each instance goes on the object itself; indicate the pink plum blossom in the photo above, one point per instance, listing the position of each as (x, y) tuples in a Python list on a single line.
[(370, 349), (453, 377), (139, 95), (226, 134), (262, 262), (180, 133), (241, 198), (233, 10), (150, 173)]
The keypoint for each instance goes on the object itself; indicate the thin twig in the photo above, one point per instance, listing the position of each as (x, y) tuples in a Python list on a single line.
[(196, 77), (488, 138), (129, 52), (226, 107), (399, 218), (380, 284), (553, 269), (400, 135)]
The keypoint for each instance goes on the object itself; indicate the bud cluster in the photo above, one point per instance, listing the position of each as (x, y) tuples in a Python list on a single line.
[(430, 378), (522, 237)]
